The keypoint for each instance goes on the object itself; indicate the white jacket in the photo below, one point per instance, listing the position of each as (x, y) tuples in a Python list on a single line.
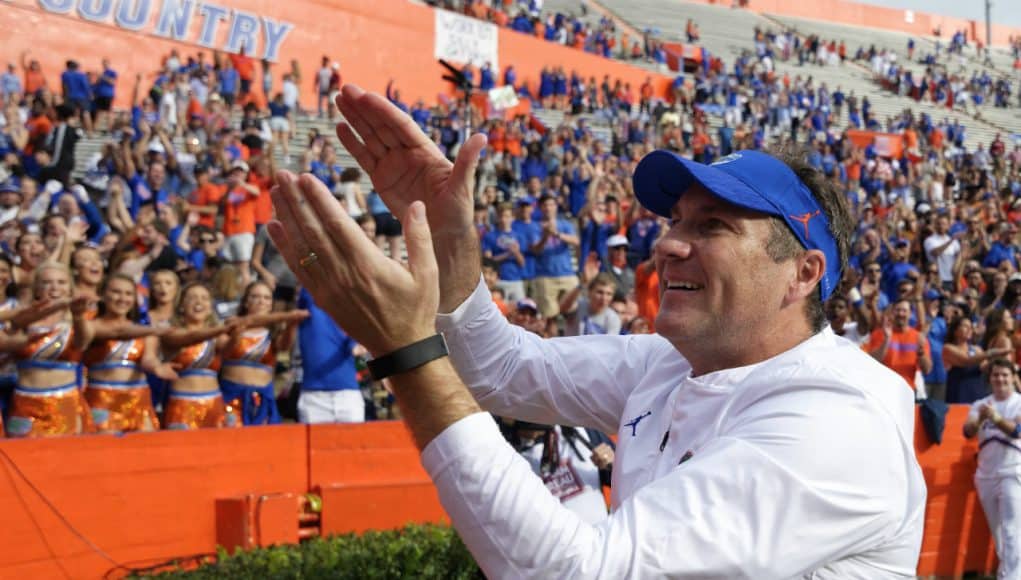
[(799, 466)]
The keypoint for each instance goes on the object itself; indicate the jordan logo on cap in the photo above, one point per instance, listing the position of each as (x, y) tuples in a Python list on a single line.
[(804, 219)]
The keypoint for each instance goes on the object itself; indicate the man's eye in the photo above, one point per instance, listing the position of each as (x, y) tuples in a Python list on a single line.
[(712, 224)]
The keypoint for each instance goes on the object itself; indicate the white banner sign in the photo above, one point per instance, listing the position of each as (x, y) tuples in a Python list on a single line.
[(462, 40), (503, 98), (883, 146)]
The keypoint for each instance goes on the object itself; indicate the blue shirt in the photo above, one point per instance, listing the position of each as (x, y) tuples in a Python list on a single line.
[(106, 84), (893, 274), (937, 337), (593, 239), (278, 110), (229, 81), (77, 85), (529, 232), (10, 84), (326, 360), (141, 194), (554, 259), (496, 243), (642, 235), (322, 171), (374, 203), (997, 254)]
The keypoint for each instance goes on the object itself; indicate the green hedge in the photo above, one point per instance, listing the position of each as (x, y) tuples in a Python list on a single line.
[(417, 551)]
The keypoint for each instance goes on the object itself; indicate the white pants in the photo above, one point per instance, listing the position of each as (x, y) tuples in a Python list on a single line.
[(1001, 501), (346, 406)]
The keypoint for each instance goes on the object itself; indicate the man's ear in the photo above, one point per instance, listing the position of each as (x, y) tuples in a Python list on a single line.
[(809, 270)]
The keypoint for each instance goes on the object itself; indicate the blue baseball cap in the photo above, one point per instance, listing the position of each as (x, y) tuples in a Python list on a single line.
[(10, 186), (750, 179)]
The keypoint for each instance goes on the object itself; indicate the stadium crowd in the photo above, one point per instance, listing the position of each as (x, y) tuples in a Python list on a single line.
[(147, 294)]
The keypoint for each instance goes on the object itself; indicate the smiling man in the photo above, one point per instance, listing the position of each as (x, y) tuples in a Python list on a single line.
[(753, 442)]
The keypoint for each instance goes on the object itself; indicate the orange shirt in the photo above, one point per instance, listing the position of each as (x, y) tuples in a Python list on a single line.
[(38, 128), (910, 138), (244, 66), (853, 170), (647, 293), (263, 203), (936, 138), (901, 354), (208, 194), (699, 142), (34, 80), (513, 144), (195, 108), (239, 212), (498, 139)]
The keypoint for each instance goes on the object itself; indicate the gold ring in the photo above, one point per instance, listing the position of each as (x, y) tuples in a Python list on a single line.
[(308, 260)]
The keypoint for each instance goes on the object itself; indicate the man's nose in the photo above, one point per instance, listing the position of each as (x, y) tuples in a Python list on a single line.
[(672, 246)]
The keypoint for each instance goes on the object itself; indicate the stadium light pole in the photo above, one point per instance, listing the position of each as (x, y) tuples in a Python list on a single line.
[(989, 25)]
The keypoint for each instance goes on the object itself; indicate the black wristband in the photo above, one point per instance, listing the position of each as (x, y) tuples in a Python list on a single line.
[(408, 358)]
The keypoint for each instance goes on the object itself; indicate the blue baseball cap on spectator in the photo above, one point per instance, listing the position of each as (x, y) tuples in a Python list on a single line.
[(527, 304), (750, 179), (525, 200), (931, 294), (10, 186)]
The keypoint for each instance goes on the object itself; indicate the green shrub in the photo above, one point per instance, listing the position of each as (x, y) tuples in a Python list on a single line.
[(417, 551)]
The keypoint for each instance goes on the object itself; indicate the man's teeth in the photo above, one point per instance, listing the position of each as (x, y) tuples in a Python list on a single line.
[(683, 286)]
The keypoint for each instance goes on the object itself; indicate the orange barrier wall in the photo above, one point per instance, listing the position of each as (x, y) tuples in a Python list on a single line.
[(146, 498), (956, 535), (870, 16), (374, 41), (138, 497)]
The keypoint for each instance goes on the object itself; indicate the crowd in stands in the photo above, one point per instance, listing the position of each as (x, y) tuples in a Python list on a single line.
[(147, 294), (936, 75), (593, 35)]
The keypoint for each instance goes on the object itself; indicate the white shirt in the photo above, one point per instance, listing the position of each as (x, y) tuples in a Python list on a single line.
[(945, 261), (802, 465), (575, 480), (996, 458), (290, 91)]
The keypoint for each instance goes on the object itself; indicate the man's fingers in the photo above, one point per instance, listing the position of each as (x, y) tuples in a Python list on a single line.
[(346, 236), (289, 250), (351, 102), (349, 139), (467, 160), (300, 224), (421, 260), (382, 113)]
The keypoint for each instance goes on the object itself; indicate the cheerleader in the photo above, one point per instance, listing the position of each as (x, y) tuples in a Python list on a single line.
[(193, 347), (249, 360), (120, 355), (47, 400)]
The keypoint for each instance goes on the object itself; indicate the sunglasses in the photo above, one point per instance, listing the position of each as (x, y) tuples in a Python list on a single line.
[(207, 241)]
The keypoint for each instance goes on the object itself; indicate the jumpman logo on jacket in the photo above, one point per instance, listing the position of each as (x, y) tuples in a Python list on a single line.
[(804, 219), (634, 422)]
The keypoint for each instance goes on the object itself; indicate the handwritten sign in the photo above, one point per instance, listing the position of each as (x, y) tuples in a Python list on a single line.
[(465, 40), (503, 98)]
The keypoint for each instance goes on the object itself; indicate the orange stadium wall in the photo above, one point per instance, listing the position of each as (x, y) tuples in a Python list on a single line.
[(149, 497), (869, 16), (375, 41)]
